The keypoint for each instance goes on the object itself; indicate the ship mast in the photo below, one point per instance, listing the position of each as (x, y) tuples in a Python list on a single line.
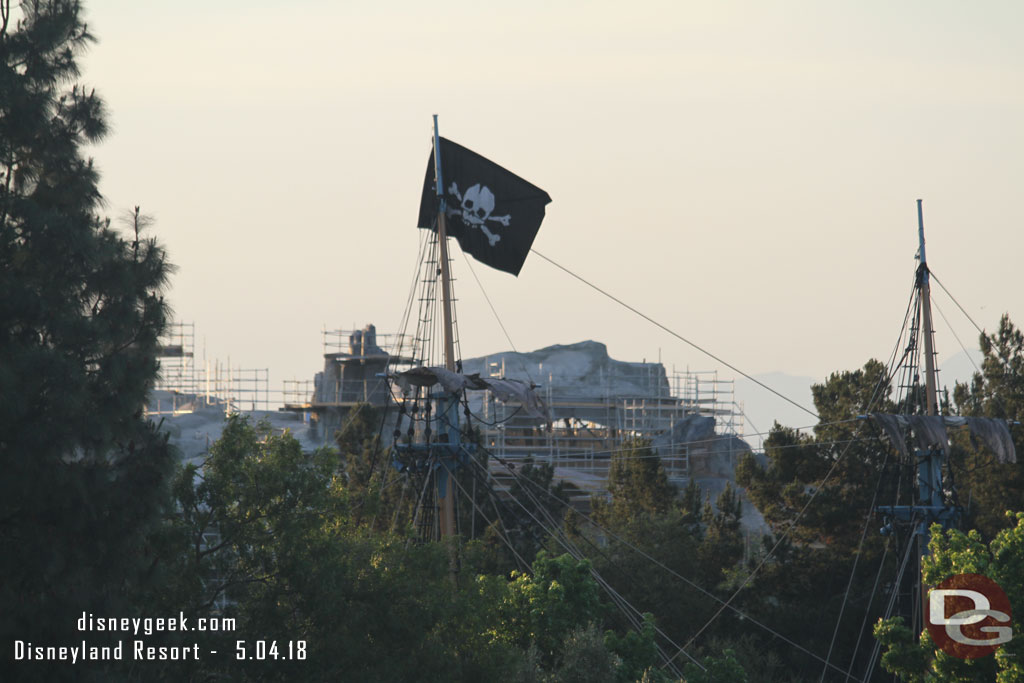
[(930, 505), (448, 415), (931, 400)]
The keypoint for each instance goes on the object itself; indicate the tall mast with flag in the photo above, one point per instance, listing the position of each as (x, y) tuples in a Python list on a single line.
[(494, 215)]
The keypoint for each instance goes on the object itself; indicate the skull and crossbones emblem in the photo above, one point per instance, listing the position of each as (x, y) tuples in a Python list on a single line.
[(475, 208)]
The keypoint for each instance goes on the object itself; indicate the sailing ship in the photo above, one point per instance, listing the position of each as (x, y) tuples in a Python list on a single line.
[(494, 215)]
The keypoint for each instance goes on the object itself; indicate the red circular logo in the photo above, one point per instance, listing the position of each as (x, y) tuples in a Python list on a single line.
[(968, 616)]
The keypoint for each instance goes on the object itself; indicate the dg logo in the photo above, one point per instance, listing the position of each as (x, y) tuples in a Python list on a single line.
[(968, 616)]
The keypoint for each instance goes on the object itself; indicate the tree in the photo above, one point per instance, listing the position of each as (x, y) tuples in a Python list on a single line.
[(539, 610), (637, 483), (955, 552), (996, 391), (724, 669), (80, 316), (818, 491)]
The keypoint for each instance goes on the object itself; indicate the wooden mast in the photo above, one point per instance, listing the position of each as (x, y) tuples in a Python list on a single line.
[(445, 492), (931, 397)]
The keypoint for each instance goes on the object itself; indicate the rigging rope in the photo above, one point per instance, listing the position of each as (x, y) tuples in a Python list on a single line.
[(888, 609), (508, 541), (955, 336), (559, 536), (674, 333), (874, 397), (674, 573), (856, 559), (936, 278), (867, 610), (508, 338)]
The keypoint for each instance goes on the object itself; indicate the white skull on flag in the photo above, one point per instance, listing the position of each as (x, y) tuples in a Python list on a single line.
[(475, 208)]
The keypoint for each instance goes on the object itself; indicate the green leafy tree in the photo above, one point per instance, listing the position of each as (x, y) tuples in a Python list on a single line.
[(540, 609), (239, 509), (271, 529), (553, 613), (955, 552), (81, 311), (724, 669)]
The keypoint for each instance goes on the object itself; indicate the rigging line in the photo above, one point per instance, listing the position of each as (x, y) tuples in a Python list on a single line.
[(856, 559), (867, 611), (953, 332), (638, 622), (380, 432), (717, 438), (386, 486), (638, 619), (625, 574), (494, 504), (771, 552), (380, 492), (912, 361), (587, 454), (936, 278), (457, 340), (998, 398), (418, 510), (508, 338), (888, 608), (682, 578), (876, 394), (675, 334), (508, 541), (891, 366), (496, 422), (557, 533), (403, 325), (401, 502), (630, 612), (721, 436)]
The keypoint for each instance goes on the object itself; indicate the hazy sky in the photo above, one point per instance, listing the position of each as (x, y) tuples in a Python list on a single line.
[(744, 172)]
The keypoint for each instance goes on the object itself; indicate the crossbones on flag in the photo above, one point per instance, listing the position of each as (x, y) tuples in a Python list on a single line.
[(492, 212)]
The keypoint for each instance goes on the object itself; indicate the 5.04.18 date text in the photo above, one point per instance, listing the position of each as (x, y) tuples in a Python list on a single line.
[(270, 649)]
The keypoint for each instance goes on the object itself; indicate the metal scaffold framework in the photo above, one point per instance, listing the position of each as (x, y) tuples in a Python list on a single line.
[(586, 430), (183, 385)]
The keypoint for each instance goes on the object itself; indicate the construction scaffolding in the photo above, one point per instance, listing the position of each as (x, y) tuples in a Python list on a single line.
[(183, 385), (586, 430), (589, 420), (176, 353)]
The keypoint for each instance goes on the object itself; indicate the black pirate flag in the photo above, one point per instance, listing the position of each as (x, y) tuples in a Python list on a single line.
[(492, 212)]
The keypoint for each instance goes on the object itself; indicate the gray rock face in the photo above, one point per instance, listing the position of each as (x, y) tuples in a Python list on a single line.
[(191, 433), (581, 370), (712, 458)]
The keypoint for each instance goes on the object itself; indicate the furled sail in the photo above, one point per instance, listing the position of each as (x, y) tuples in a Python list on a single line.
[(505, 390), (929, 431)]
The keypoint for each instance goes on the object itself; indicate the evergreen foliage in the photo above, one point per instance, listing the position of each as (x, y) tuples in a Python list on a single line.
[(955, 552), (80, 314), (985, 486)]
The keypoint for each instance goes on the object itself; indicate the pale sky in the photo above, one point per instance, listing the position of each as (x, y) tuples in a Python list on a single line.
[(743, 172)]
